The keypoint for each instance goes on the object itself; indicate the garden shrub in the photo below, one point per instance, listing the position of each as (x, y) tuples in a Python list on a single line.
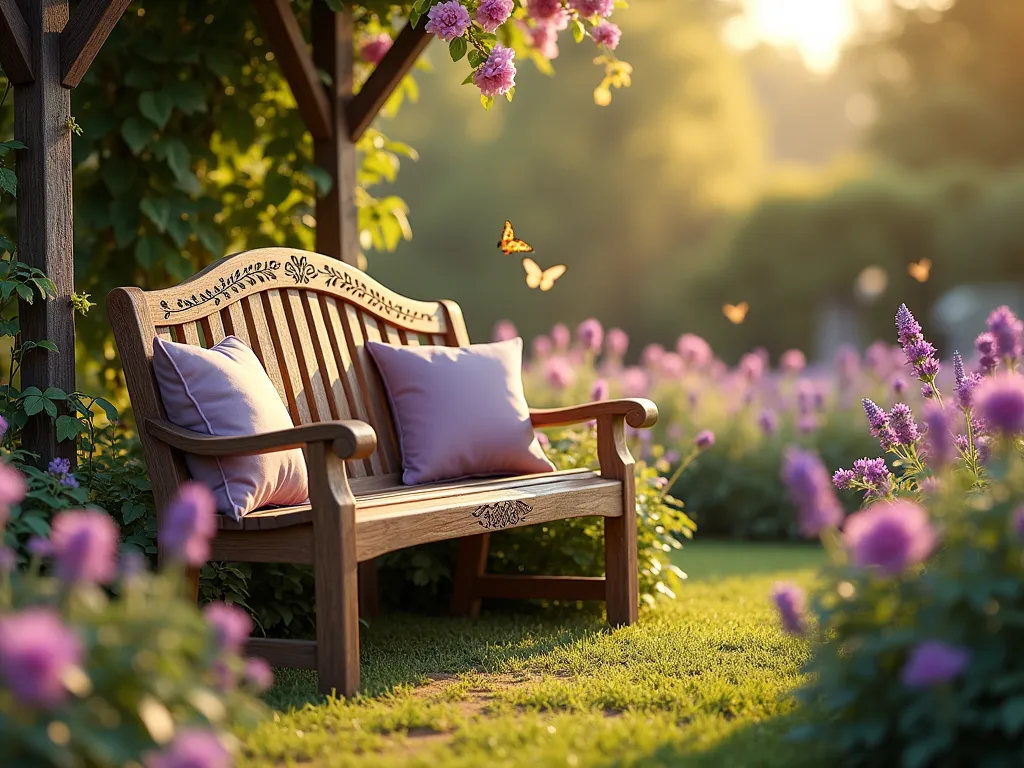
[(919, 618)]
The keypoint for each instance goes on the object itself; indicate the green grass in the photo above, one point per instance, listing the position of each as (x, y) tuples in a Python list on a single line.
[(705, 680)]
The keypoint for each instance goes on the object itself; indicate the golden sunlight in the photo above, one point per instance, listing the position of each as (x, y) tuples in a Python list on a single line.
[(817, 29)]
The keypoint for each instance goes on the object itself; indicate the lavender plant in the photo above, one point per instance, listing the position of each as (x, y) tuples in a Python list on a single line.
[(920, 612), (103, 663)]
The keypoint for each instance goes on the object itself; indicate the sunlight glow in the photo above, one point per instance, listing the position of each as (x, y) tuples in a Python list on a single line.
[(818, 29)]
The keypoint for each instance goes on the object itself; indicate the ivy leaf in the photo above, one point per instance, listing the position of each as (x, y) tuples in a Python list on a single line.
[(157, 210), (187, 95), (320, 177), (148, 251), (179, 159), (157, 107), (7, 146), (69, 428), (180, 230), (8, 182), (137, 133), (108, 409), (6, 245), (34, 404), (210, 237), (457, 48), (469, 78), (132, 511)]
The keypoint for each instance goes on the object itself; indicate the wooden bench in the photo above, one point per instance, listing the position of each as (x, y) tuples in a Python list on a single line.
[(307, 317)]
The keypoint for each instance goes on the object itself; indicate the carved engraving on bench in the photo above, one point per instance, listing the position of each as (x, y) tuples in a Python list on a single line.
[(240, 280), (335, 278), (300, 270), (502, 514)]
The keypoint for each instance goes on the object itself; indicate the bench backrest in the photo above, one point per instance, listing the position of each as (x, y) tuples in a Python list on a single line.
[(306, 316)]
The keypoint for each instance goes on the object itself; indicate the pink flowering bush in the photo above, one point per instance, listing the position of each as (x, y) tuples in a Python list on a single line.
[(105, 664), (917, 625)]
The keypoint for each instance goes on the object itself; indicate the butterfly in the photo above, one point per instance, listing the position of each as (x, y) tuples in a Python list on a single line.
[(736, 313), (510, 244), (542, 278), (920, 270)]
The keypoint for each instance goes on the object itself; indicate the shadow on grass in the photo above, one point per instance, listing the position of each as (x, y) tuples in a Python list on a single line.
[(405, 649)]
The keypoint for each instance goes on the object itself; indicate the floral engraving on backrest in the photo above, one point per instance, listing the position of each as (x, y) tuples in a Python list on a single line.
[(300, 270), (240, 280), (502, 514), (335, 278)]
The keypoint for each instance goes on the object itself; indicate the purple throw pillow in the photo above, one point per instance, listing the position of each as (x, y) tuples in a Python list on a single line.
[(460, 411), (225, 391)]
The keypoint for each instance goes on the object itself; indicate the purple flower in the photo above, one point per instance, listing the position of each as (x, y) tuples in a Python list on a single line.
[(616, 342), (85, 547), (805, 396), (3, 426), (807, 423), (768, 421), (811, 491), (448, 20), (938, 443), (899, 385), (188, 524), (919, 353), (927, 391), (544, 37), (504, 330), (39, 547), (890, 536), (964, 384), (12, 490), (545, 10), (705, 439), (792, 606), (878, 358), (491, 14), (652, 354), (934, 662), (843, 478), (901, 422), (69, 481), (192, 748), (847, 365), (258, 674), (1017, 521), (600, 390), (36, 651), (878, 419), (588, 8), (590, 334), (607, 34), (875, 474), (907, 328), (751, 367), (230, 624), (1007, 330), (542, 346), (497, 75), (59, 466), (375, 48), (634, 382), (986, 346), (1000, 402), (696, 352), (671, 365), (560, 336), (559, 373), (793, 361)]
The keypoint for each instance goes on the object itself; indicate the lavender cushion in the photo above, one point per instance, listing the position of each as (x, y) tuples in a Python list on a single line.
[(225, 391), (460, 411)]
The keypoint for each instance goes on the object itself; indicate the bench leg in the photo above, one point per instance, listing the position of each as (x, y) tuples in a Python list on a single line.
[(622, 588), (369, 590), (471, 565), (335, 572)]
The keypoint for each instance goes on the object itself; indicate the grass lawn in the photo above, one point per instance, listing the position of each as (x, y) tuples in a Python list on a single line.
[(704, 680)]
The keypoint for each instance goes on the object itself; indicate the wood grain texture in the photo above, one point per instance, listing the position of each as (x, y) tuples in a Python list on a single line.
[(278, 23), (15, 44), (246, 275), (291, 654), (337, 233), (287, 545), (622, 587), (42, 107), (335, 573), (540, 587), (84, 35), (471, 566), (638, 412), (395, 65)]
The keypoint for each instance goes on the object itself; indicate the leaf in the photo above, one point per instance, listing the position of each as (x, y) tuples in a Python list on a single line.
[(34, 404), (132, 511), (47, 345), (8, 182), (6, 245), (187, 95), (476, 58), (334, 5), (180, 230), (1012, 715), (68, 428), (157, 107), (148, 251), (469, 78), (321, 178), (55, 393), (578, 31), (457, 48), (137, 134), (486, 101), (108, 409), (179, 159), (210, 237), (157, 210)]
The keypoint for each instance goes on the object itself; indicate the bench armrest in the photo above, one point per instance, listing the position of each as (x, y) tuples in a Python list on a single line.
[(349, 439), (638, 412)]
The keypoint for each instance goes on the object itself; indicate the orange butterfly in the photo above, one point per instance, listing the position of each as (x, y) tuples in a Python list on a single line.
[(510, 244), (736, 313), (542, 278), (920, 270)]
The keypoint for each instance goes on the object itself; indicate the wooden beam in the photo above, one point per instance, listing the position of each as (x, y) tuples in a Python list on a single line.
[(337, 233), (45, 224), (15, 44), (365, 105), (289, 44), (85, 34)]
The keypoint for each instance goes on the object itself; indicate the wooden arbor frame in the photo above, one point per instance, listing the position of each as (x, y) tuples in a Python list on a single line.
[(46, 51)]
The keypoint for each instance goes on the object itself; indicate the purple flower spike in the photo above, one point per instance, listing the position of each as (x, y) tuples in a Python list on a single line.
[(504, 330), (590, 335), (59, 466), (705, 439), (258, 674), (933, 662), (768, 421), (560, 335), (1001, 403), (875, 474), (792, 605), (890, 536), (906, 326), (899, 385), (36, 651), (919, 353), (965, 383), (793, 361), (192, 748), (811, 491), (927, 391), (600, 390), (843, 478), (878, 419), (188, 524), (231, 625), (986, 346), (85, 547), (901, 422), (1007, 330), (616, 343)]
